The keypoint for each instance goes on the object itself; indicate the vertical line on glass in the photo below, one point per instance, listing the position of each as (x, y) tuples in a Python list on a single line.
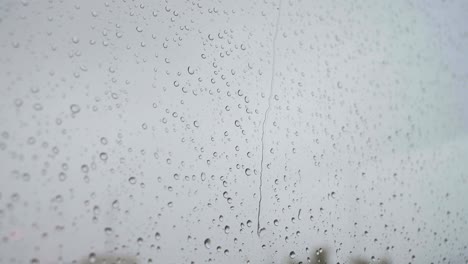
[(265, 117)]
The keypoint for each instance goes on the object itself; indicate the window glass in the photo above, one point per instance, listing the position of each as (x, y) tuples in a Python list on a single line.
[(200, 131)]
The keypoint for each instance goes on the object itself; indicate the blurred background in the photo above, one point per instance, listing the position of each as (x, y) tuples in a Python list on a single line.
[(200, 131)]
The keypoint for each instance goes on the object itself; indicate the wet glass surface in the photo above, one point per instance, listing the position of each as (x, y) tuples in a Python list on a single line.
[(233, 131)]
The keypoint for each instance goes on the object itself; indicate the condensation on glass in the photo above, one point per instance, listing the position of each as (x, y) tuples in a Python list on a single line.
[(233, 131)]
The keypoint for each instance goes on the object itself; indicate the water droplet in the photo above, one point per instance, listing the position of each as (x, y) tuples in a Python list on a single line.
[(38, 107), (84, 168), (207, 243), (108, 230), (62, 176), (103, 156), (103, 141), (190, 70), (75, 109), (140, 241), (132, 180), (92, 257)]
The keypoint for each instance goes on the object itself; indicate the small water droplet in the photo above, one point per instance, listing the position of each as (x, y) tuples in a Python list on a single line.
[(190, 70), (103, 156), (103, 141), (62, 176), (132, 180), (75, 109), (84, 168), (140, 241), (207, 243), (108, 230), (92, 257)]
